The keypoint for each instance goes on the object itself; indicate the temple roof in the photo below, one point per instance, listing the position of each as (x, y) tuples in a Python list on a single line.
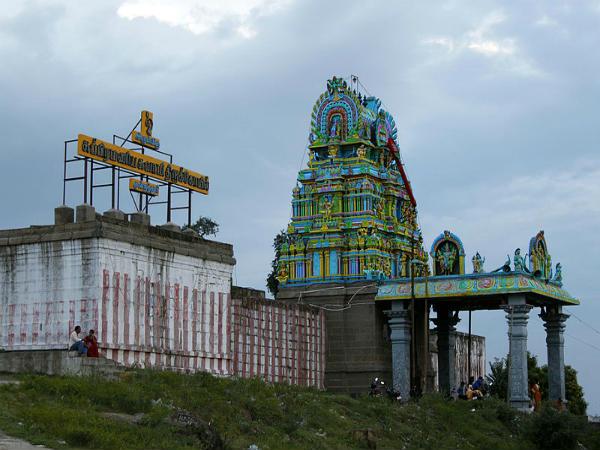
[(489, 287)]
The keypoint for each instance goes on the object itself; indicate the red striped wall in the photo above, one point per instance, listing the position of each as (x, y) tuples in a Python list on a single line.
[(279, 342)]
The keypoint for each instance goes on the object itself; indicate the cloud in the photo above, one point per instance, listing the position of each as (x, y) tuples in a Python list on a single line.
[(546, 21), (203, 16), (490, 48), (481, 40), (564, 198)]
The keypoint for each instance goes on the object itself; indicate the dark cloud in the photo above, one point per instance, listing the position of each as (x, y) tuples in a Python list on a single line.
[(496, 106)]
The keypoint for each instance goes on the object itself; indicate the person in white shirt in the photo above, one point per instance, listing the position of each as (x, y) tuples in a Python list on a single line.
[(76, 343)]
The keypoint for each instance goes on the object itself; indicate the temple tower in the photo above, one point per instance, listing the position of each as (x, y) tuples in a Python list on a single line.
[(353, 225), (353, 212)]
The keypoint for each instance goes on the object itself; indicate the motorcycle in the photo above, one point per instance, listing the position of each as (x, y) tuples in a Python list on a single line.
[(379, 389)]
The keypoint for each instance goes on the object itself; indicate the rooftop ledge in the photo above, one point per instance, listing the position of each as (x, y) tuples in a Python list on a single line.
[(482, 285)]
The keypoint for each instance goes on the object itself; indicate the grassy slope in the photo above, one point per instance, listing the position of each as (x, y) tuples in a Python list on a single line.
[(64, 412)]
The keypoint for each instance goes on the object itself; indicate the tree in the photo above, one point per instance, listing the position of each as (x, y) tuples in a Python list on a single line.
[(205, 226), (574, 392), (272, 281), (498, 381)]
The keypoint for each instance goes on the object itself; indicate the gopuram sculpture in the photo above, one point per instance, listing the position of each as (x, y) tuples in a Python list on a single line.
[(354, 214), (477, 263), (357, 252)]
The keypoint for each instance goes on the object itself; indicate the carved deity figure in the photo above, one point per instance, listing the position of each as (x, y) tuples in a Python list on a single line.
[(362, 151), (446, 258), (558, 273), (333, 151), (335, 130), (282, 276), (519, 261), (403, 266), (380, 210), (364, 130), (539, 259), (327, 206), (408, 214), (387, 268), (478, 263), (548, 266)]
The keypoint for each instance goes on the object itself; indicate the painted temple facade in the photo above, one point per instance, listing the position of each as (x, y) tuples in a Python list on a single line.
[(354, 248), (354, 215)]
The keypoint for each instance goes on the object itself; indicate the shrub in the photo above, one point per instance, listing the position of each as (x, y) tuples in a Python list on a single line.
[(553, 430)]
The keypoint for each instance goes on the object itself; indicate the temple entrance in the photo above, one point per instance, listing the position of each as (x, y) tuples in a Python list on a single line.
[(514, 291)]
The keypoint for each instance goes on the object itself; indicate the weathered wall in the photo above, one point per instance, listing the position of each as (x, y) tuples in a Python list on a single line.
[(461, 347), (162, 309), (156, 298), (357, 341), (278, 342), (357, 345), (45, 288)]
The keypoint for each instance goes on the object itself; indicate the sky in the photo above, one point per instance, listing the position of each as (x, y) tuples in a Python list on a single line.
[(496, 105)]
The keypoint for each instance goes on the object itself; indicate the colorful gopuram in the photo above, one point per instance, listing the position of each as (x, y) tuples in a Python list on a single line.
[(354, 248), (354, 214)]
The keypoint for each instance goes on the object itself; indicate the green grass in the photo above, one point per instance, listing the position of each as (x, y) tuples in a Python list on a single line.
[(66, 413)]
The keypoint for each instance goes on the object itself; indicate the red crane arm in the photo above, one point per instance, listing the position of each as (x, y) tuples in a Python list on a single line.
[(391, 145)]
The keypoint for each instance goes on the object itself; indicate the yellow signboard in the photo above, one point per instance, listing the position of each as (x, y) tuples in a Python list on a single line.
[(145, 138), (143, 164), (147, 123), (143, 187)]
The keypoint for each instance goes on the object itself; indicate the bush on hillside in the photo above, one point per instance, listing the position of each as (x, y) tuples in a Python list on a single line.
[(554, 430)]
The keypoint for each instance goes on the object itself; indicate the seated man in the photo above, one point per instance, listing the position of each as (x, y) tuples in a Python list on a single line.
[(479, 384), (76, 343)]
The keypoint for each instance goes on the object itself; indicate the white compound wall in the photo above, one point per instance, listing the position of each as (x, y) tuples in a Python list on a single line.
[(149, 307)]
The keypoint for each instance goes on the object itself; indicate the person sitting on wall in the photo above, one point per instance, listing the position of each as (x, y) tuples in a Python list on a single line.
[(76, 343), (92, 345), (479, 385), (454, 394), (473, 394)]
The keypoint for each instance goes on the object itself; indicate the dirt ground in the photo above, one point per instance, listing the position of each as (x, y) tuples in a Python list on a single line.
[(8, 443)]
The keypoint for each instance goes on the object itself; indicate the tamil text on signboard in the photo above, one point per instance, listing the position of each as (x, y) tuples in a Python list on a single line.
[(139, 163), (143, 187)]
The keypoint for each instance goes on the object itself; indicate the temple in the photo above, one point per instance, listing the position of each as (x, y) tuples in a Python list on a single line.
[(354, 249), (354, 215)]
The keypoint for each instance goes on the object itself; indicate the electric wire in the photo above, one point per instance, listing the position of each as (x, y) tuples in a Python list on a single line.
[(335, 308), (583, 342), (585, 323)]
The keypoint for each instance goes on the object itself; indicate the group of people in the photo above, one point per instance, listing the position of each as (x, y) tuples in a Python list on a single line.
[(475, 390), (88, 346)]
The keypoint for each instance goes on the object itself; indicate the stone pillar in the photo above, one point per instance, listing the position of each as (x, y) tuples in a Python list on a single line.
[(446, 339), (517, 316), (554, 322), (116, 214), (63, 215), (399, 323), (140, 218), (85, 213)]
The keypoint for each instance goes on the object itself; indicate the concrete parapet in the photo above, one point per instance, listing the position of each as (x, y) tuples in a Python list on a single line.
[(189, 232), (170, 226), (56, 362), (137, 232), (63, 214), (85, 213), (140, 218), (116, 214)]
